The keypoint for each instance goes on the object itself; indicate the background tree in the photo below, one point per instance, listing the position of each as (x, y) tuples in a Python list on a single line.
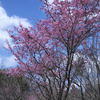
[(12, 87), (45, 54), (90, 78)]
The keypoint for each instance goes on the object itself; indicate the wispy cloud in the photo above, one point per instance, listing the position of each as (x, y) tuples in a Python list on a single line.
[(0, 61), (10, 61), (51, 1), (6, 62)]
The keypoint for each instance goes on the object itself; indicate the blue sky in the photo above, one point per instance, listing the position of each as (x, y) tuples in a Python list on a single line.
[(23, 8), (13, 12)]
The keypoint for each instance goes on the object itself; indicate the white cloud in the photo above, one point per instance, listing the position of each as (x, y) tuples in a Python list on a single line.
[(6, 62), (7, 22), (9, 61)]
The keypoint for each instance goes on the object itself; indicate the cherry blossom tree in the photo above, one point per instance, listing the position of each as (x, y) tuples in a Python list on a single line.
[(46, 53)]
